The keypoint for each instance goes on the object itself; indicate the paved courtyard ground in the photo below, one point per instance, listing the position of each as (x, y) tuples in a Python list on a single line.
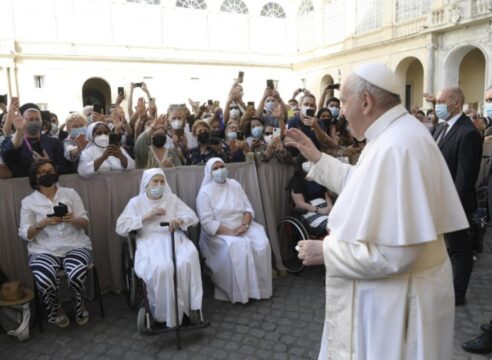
[(288, 326)]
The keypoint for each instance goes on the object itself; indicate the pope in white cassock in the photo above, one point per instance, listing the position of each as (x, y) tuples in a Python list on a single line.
[(235, 248), (153, 259), (389, 288)]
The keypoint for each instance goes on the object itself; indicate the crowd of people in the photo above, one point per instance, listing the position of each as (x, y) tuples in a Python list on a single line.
[(301, 133)]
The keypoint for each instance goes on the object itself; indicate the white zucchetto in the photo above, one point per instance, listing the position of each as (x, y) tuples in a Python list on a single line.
[(379, 75)]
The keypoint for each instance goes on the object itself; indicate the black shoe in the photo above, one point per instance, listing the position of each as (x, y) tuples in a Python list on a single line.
[(480, 345)]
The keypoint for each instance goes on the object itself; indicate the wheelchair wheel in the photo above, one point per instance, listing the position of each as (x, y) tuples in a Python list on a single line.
[(290, 232), (141, 319), (131, 280)]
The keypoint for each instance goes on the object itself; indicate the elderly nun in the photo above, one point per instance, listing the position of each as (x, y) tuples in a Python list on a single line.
[(156, 203), (100, 155), (236, 249)]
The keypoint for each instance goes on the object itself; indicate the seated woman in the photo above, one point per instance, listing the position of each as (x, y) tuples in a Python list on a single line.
[(311, 196), (99, 155), (153, 258), (55, 242), (150, 149), (236, 249)]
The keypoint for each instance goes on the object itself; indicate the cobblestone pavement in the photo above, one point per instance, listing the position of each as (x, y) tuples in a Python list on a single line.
[(288, 326)]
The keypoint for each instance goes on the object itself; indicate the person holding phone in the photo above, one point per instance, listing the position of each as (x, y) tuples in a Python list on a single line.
[(255, 139), (28, 143), (269, 104), (151, 150), (307, 121), (207, 147), (55, 242), (100, 155), (237, 146)]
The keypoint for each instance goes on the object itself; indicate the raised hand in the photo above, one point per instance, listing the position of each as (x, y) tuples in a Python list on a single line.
[(304, 144)]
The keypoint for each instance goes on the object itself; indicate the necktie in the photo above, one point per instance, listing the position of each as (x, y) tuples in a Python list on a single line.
[(442, 134)]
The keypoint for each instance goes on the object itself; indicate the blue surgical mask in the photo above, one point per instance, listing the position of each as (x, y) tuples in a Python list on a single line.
[(488, 110), (231, 135), (442, 111), (219, 175), (257, 131), (78, 131), (155, 192), (334, 111)]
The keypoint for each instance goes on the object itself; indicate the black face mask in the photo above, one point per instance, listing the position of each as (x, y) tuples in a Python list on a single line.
[(159, 140), (203, 137), (48, 179)]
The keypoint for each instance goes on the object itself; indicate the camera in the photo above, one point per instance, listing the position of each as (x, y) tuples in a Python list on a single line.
[(269, 83), (240, 76), (4, 99), (333, 86), (310, 112)]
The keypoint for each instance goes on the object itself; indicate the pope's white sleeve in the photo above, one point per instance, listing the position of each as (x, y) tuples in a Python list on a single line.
[(129, 220), (368, 261), (330, 172), (205, 213)]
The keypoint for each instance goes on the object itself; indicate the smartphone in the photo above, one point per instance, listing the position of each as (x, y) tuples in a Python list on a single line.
[(179, 132), (276, 132), (310, 112), (46, 115), (270, 84), (137, 84), (152, 102), (114, 139), (97, 108), (60, 210), (240, 76), (36, 146), (4, 99), (121, 91), (251, 103), (210, 102), (240, 135)]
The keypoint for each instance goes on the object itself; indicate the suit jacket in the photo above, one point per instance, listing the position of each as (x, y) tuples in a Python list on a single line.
[(462, 149)]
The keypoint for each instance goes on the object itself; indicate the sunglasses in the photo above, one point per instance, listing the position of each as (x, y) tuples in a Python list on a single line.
[(268, 133)]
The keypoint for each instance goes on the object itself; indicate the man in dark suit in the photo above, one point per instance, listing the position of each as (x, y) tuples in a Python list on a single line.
[(461, 145)]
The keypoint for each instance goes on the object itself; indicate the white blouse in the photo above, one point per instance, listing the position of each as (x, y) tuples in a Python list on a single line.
[(58, 239)]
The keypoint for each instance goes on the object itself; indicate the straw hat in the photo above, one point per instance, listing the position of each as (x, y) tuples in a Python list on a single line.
[(12, 293)]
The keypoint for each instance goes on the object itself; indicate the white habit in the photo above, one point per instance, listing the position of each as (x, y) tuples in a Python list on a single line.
[(91, 152), (389, 289), (241, 265), (153, 258)]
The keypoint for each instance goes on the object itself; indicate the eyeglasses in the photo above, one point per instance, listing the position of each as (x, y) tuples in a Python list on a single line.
[(268, 133)]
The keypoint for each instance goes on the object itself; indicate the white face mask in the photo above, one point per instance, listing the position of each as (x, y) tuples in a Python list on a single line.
[(177, 124), (267, 138), (269, 106), (102, 140), (234, 113), (54, 128), (219, 175), (155, 191), (306, 166)]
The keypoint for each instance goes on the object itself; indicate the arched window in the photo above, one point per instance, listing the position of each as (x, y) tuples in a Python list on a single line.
[(192, 4), (273, 10), (234, 6), (148, 2), (305, 8)]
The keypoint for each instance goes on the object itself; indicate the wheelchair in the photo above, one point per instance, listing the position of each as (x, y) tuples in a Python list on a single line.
[(291, 229), (136, 292)]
